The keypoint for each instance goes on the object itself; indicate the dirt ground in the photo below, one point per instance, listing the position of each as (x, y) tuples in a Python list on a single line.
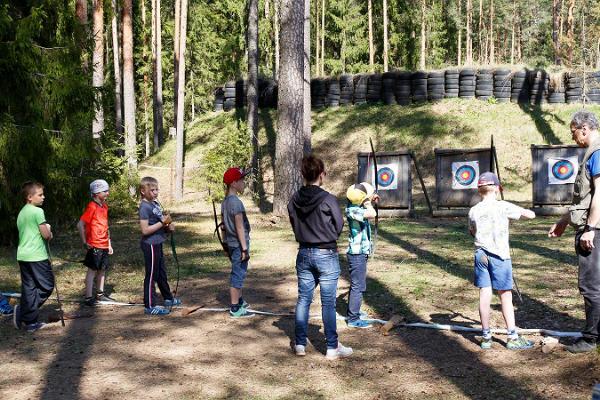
[(421, 270)]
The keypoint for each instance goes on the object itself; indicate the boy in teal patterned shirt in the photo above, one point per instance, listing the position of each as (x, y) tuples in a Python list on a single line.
[(358, 212)]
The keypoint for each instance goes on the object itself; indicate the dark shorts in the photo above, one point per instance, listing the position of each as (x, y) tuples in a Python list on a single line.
[(96, 259)]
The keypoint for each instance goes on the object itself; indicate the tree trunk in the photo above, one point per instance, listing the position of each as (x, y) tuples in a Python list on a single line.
[(571, 31), (290, 105), (276, 23), (556, 6), (306, 122), (117, 70), (128, 86), (386, 43), (423, 35), (180, 145), (157, 96), (469, 33), (322, 37), (480, 33), (145, 78), (81, 11), (252, 94), (98, 68), (371, 46), (512, 35), (492, 55), (317, 38), (176, 41), (459, 29)]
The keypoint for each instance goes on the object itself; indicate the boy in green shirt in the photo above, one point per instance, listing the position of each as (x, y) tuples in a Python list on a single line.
[(37, 278)]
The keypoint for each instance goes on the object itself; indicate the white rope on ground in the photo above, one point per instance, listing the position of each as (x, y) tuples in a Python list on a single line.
[(459, 328)]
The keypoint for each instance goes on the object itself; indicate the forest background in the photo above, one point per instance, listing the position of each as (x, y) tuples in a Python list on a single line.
[(90, 89)]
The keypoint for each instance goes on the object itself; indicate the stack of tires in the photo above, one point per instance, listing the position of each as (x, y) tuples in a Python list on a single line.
[(219, 99), (402, 88), (592, 88), (574, 88), (556, 89), (374, 88), (435, 85), (502, 88), (229, 96), (333, 93), (466, 84), (519, 87), (346, 90), (484, 88), (318, 93), (360, 88), (419, 86), (387, 88), (241, 89), (451, 83), (540, 83)]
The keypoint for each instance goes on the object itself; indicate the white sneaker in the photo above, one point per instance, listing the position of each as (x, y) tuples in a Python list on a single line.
[(300, 350), (341, 351)]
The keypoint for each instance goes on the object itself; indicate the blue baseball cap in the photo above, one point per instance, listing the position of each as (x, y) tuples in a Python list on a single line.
[(488, 178)]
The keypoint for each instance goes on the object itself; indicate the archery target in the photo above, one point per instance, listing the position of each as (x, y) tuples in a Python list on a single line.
[(562, 171), (465, 175), (387, 177)]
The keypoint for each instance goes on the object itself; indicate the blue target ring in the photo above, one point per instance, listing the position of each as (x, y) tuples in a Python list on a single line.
[(563, 170), (465, 175), (385, 177)]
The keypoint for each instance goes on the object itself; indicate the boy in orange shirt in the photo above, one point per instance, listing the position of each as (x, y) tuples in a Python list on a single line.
[(93, 229)]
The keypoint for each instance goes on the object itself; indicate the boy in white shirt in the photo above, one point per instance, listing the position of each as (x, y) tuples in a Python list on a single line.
[(488, 224)]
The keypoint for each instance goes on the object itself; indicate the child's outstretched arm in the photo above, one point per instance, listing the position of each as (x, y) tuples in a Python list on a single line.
[(527, 214)]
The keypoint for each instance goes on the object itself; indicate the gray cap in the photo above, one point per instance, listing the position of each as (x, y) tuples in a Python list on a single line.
[(488, 178), (99, 185)]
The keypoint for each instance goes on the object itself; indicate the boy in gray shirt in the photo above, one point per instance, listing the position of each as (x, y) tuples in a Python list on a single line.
[(236, 233)]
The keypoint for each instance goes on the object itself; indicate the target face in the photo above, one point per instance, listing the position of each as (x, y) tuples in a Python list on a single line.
[(387, 176), (562, 171), (465, 174)]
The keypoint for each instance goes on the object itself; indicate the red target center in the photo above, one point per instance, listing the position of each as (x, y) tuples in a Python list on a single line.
[(385, 177), (563, 170), (465, 175)]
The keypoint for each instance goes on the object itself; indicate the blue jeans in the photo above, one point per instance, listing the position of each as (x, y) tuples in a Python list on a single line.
[(357, 267), (317, 266)]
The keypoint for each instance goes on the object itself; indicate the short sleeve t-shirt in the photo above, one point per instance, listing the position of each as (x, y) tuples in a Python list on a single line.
[(31, 243), (152, 211), (593, 164), (489, 219), (95, 218), (230, 207)]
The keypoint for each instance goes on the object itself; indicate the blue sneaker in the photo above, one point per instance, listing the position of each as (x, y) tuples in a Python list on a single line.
[(172, 302), (241, 312), (359, 323), (30, 328), (243, 303), (363, 314), (5, 308), (156, 310)]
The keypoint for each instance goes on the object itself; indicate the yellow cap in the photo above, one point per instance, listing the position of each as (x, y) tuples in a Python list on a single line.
[(359, 192)]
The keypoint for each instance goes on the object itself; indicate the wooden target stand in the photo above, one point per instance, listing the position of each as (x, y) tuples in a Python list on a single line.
[(394, 174), (552, 187), (456, 175)]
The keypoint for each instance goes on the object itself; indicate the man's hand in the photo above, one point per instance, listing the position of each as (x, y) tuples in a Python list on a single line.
[(245, 256), (586, 241), (166, 219), (558, 228)]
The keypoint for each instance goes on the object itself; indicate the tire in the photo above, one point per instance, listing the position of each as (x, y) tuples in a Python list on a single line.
[(435, 81), (418, 75)]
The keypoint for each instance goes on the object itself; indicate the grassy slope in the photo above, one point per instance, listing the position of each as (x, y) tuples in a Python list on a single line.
[(338, 134)]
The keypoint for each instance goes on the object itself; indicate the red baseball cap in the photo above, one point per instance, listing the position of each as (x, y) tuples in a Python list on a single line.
[(234, 174)]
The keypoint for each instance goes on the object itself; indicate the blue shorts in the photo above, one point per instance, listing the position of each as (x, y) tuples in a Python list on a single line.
[(491, 270), (238, 268)]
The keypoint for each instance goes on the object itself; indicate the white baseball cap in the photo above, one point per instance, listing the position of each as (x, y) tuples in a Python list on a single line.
[(99, 185)]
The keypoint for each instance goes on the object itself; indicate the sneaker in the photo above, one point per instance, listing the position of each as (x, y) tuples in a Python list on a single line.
[(241, 312), (243, 303), (172, 302), (341, 351), (486, 343), (30, 328), (104, 297), (359, 323), (156, 310), (520, 343), (17, 317), (5, 308), (363, 315), (300, 350), (581, 346), (90, 301)]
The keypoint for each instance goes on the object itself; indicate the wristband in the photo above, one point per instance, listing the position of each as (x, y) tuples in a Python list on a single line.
[(588, 228)]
